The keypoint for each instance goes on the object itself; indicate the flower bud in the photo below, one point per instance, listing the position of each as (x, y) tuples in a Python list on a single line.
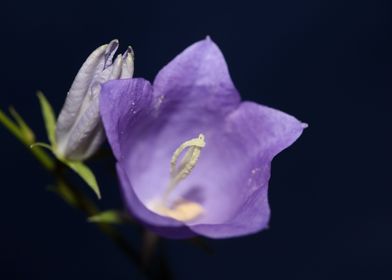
[(79, 131)]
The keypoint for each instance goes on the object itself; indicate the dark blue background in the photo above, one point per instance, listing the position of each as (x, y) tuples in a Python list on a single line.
[(326, 62)]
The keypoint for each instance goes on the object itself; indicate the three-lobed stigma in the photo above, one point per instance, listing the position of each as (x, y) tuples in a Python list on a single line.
[(181, 210)]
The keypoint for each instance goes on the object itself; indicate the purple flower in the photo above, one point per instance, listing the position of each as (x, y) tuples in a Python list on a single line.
[(191, 157), (79, 131)]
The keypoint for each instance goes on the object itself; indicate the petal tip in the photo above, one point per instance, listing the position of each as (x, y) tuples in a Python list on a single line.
[(130, 51), (114, 41), (129, 48), (112, 46), (208, 41)]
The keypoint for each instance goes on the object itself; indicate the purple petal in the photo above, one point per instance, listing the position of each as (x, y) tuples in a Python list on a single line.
[(124, 106), (260, 133), (266, 129), (126, 109), (197, 79), (194, 94), (161, 225)]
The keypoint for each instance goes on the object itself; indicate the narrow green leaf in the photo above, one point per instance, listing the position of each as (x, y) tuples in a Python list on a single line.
[(23, 127), (49, 117), (15, 130), (85, 173), (108, 217), (11, 126)]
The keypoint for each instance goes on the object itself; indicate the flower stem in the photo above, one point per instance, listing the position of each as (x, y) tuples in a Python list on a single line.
[(76, 198), (69, 193), (73, 196), (46, 161)]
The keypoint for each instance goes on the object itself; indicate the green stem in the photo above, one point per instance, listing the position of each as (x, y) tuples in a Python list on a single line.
[(76, 198), (72, 195), (46, 161), (69, 193)]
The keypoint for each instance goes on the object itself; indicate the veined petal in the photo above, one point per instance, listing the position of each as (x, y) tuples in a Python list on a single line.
[(109, 53), (94, 65), (127, 64), (95, 141), (87, 134), (125, 106), (262, 132), (197, 78), (81, 135), (116, 68), (127, 110)]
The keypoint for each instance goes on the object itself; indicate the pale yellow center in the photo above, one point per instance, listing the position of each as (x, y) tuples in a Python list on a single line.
[(181, 210)]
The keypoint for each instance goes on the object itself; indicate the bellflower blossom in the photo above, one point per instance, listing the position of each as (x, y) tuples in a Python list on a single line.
[(79, 131), (193, 159)]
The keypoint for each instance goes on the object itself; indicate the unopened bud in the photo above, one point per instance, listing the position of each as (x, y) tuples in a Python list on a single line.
[(79, 131)]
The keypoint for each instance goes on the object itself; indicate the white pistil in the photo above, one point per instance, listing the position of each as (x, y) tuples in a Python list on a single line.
[(188, 162), (182, 210)]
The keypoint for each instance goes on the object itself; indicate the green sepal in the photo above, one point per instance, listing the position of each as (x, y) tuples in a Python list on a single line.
[(18, 128), (79, 167), (49, 118), (24, 134), (43, 145), (24, 129), (11, 126), (85, 173), (108, 217)]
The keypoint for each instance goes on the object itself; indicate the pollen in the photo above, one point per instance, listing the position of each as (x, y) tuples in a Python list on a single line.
[(183, 210)]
